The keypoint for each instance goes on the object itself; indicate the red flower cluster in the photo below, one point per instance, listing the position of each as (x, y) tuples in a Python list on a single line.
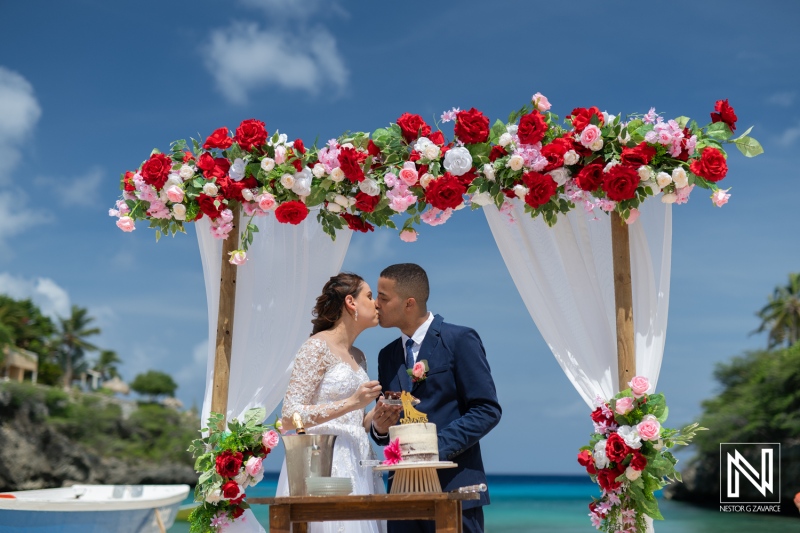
[(582, 117), (293, 212), (251, 134), (155, 170), (445, 192), (541, 188), (724, 113), (711, 165), (472, 126), (412, 127)]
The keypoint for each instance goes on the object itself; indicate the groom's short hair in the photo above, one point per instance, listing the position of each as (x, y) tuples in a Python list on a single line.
[(410, 279)]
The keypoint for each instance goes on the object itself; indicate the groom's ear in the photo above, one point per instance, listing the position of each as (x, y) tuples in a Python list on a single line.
[(411, 303)]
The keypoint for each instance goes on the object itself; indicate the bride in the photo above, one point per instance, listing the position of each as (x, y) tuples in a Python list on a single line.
[(330, 388)]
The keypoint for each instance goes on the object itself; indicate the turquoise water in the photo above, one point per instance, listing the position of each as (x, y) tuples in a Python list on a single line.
[(522, 504)]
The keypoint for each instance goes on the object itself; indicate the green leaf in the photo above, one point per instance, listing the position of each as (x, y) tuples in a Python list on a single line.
[(748, 146), (158, 235), (255, 416), (719, 130), (682, 121), (498, 128)]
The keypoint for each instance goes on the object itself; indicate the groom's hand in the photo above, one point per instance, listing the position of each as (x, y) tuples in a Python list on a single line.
[(385, 416)]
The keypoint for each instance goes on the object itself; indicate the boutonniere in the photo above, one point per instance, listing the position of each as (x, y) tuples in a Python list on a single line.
[(419, 372)]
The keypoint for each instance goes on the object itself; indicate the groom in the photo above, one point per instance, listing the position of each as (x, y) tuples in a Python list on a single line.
[(457, 393)]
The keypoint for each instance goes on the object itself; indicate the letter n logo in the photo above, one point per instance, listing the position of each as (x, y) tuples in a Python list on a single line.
[(748, 472)]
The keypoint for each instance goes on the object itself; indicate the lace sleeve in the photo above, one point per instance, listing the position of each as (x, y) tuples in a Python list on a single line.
[(310, 364)]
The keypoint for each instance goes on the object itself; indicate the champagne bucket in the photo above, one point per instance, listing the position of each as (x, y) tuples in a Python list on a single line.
[(307, 456)]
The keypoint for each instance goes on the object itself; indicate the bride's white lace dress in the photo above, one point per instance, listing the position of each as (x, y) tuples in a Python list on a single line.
[(320, 383)]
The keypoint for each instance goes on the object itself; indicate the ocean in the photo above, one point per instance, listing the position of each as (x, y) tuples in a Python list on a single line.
[(559, 504)]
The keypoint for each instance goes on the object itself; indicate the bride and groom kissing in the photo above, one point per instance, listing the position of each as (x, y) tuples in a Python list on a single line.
[(330, 387)]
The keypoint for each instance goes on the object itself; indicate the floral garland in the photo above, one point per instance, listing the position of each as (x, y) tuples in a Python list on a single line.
[(228, 462), (362, 180), (628, 456)]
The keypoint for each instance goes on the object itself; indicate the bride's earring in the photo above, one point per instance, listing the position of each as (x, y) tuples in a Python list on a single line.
[(356, 316)]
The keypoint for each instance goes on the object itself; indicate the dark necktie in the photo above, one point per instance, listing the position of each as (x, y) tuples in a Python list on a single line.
[(410, 360)]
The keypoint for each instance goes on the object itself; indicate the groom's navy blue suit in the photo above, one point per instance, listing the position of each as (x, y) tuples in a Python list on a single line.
[(458, 396)]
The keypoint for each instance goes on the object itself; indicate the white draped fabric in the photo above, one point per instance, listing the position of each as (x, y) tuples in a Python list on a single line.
[(275, 293), (565, 277)]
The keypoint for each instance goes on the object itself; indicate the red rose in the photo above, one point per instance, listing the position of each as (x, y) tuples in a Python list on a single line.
[(156, 170), (711, 165), (541, 188), (582, 117), (232, 190), (606, 478), (467, 177), (350, 164), (497, 152), (445, 192), (639, 461), (356, 224), (620, 183), (585, 458), (590, 177), (437, 137), (639, 155), (472, 126), (293, 212), (213, 167), (724, 113), (298, 164), (187, 156), (532, 128), (412, 127), (598, 416), (299, 146), (237, 512), (232, 491), (366, 203), (218, 139), (251, 134), (228, 465), (616, 449), (554, 153), (128, 182), (372, 149)]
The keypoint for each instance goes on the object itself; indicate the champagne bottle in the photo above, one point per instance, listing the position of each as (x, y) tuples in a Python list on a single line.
[(297, 420)]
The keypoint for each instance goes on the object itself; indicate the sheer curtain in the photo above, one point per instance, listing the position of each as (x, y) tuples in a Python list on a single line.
[(275, 293), (565, 277)]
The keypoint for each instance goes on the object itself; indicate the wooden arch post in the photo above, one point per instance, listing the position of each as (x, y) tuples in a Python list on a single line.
[(227, 304), (623, 297)]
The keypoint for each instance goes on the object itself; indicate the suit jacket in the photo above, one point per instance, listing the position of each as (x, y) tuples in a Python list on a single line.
[(458, 396)]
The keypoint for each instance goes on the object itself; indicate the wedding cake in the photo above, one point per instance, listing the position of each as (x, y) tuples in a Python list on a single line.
[(418, 442)]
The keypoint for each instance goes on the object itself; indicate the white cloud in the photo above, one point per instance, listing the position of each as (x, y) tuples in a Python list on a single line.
[(15, 217), (19, 112), (784, 99), (244, 57), (52, 299), (78, 191), (789, 135), (295, 9)]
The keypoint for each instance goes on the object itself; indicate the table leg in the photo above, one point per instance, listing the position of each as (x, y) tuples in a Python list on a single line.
[(279, 519), (448, 516), (300, 527)]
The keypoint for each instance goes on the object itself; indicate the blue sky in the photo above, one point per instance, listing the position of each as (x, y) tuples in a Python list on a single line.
[(89, 88)]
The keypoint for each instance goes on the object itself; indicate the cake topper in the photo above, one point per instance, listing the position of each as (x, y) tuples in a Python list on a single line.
[(411, 415)]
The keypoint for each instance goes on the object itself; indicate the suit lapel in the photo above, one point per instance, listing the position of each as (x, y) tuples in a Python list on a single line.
[(430, 344)]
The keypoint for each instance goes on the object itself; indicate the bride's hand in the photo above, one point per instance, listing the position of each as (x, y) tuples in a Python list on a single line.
[(366, 393)]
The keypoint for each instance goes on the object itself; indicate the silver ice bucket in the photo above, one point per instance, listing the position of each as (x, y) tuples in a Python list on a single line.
[(307, 456)]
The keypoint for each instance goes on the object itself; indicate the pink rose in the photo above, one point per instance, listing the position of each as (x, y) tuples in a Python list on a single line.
[(408, 235), (238, 257), (254, 466), (270, 439), (589, 135), (649, 428), (418, 370), (639, 386), (175, 194), (624, 405), (280, 154), (720, 197), (541, 102), (266, 202), (633, 216), (409, 173), (126, 224)]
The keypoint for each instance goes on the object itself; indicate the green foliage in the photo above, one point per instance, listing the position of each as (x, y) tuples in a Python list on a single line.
[(23, 324), (759, 400), (780, 318), (154, 383)]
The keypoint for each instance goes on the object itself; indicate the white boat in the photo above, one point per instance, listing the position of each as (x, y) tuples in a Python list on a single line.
[(92, 508)]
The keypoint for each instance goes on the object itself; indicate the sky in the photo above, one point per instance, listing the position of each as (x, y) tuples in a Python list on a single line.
[(88, 88)]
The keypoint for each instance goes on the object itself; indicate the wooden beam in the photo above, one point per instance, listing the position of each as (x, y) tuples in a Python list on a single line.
[(227, 303), (623, 297)]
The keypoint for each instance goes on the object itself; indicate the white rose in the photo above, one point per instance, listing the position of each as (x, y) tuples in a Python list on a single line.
[(209, 189), (347, 145), (663, 179), (632, 474), (680, 178), (560, 175), (512, 129), (520, 191), (596, 145), (247, 194), (302, 184), (179, 212), (599, 454), (658, 445), (287, 180), (214, 496), (186, 172), (653, 186), (488, 171), (267, 164), (351, 201), (482, 198), (369, 186), (515, 162), (571, 157), (669, 198), (337, 175), (432, 151), (624, 139), (319, 170), (608, 118), (611, 164), (342, 200), (504, 140), (645, 173), (630, 436), (242, 478), (236, 171), (173, 179), (422, 143), (425, 180), (333, 207), (458, 161)]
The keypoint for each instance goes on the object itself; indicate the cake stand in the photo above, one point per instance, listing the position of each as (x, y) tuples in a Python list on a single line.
[(415, 477)]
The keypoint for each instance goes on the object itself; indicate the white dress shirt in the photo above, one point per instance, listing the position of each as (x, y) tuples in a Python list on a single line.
[(418, 336)]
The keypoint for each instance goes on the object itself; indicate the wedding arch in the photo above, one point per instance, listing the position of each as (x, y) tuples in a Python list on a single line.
[(574, 208)]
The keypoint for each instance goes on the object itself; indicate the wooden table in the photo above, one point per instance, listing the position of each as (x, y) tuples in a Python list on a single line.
[(443, 507)]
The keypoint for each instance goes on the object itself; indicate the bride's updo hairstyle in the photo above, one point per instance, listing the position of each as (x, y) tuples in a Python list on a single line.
[(331, 302)]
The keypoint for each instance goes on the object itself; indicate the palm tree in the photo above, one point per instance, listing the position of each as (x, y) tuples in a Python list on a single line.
[(781, 316), (107, 364), (70, 344)]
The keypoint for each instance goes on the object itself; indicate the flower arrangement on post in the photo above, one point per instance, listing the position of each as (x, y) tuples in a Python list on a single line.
[(629, 457), (228, 462)]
